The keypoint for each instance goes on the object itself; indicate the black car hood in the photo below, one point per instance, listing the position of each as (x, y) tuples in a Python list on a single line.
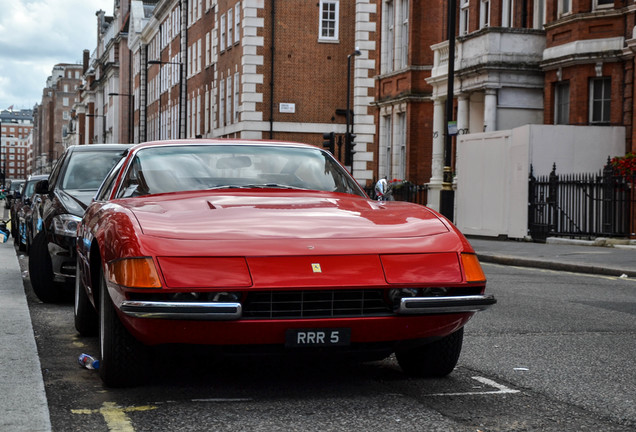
[(76, 200)]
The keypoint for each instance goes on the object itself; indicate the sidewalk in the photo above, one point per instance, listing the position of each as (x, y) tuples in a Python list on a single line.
[(596, 257), (22, 397)]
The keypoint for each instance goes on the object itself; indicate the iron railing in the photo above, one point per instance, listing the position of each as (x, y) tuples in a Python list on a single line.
[(409, 192), (581, 205)]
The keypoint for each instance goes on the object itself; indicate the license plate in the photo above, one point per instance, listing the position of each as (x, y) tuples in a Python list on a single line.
[(317, 337)]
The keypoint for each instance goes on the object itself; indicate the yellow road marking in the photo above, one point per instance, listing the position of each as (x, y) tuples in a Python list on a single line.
[(115, 416)]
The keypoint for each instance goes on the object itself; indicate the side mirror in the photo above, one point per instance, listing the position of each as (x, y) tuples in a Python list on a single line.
[(42, 187)]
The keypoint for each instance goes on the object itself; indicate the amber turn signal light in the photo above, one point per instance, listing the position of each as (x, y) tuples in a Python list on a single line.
[(134, 273), (472, 268)]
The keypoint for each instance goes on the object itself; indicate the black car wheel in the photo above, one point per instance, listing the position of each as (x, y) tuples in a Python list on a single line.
[(124, 360), (41, 271), (436, 359), (86, 319)]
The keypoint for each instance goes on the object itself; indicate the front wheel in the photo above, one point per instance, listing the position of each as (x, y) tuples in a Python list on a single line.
[(124, 360), (436, 359), (41, 271), (86, 319)]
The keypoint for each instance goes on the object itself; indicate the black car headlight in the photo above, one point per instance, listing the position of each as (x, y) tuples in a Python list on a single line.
[(66, 225)]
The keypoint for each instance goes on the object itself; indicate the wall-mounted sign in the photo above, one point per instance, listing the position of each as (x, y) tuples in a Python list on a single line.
[(289, 108)]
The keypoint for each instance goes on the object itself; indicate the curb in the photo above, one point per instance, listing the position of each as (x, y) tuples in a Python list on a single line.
[(550, 265)]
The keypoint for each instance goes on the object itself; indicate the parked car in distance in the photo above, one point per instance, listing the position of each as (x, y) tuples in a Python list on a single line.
[(266, 246), (62, 200), (12, 192), (21, 209)]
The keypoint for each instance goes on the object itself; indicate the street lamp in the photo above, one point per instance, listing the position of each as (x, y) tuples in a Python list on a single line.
[(447, 195), (131, 112), (181, 104), (349, 128)]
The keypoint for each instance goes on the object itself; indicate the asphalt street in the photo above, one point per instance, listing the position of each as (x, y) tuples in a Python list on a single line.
[(23, 400)]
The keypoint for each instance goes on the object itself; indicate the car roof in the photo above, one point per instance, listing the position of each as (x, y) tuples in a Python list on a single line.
[(94, 147), (221, 142)]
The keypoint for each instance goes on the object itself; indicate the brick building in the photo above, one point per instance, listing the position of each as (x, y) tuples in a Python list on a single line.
[(227, 68), (15, 149), (52, 116)]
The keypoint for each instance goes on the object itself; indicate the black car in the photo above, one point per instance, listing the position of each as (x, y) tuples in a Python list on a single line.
[(63, 198), (20, 211), (12, 192)]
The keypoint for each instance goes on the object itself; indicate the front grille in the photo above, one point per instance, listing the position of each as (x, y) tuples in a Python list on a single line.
[(315, 304)]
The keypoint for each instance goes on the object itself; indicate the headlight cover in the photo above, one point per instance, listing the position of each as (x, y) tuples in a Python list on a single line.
[(66, 225)]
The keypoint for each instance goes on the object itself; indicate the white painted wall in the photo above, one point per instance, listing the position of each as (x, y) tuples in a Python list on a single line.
[(493, 169)]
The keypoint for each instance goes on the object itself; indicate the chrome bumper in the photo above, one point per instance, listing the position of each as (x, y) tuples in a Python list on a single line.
[(183, 310), (233, 311), (445, 305)]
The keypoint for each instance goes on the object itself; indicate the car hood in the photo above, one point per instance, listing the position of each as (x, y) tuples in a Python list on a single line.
[(76, 201), (270, 215)]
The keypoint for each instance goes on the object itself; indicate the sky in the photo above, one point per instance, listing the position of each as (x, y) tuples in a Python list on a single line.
[(35, 35)]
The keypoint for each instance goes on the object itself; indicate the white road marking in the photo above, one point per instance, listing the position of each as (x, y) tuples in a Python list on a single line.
[(501, 389)]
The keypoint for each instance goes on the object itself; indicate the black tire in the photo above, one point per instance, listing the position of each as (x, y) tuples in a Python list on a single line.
[(86, 318), (436, 359), (41, 271), (124, 360)]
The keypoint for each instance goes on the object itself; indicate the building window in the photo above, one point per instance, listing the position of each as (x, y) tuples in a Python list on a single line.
[(236, 97), (222, 41), (484, 14), (222, 103), (390, 35), (404, 33), (565, 7), (328, 20), (237, 22), (230, 28), (600, 92), (603, 4), (539, 14), (386, 135), (562, 103), (65, 101), (228, 102), (463, 17), (400, 144)]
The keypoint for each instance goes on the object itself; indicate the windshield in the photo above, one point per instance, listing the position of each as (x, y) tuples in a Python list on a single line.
[(182, 168), (86, 170)]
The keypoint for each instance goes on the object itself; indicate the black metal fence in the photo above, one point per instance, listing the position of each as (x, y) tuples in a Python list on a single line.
[(417, 194), (581, 205)]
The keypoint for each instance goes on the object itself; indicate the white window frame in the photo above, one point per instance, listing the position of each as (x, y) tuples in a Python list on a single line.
[(564, 7), (389, 31), (539, 14), (332, 8), (222, 34), (221, 103), (230, 27), (605, 100), (464, 17), (228, 102), (237, 81), (404, 33), (484, 14), (237, 22), (386, 136), (597, 4)]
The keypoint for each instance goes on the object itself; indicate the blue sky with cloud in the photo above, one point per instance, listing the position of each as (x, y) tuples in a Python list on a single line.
[(37, 34)]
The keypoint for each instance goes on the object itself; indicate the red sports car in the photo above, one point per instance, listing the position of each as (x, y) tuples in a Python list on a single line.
[(269, 245)]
